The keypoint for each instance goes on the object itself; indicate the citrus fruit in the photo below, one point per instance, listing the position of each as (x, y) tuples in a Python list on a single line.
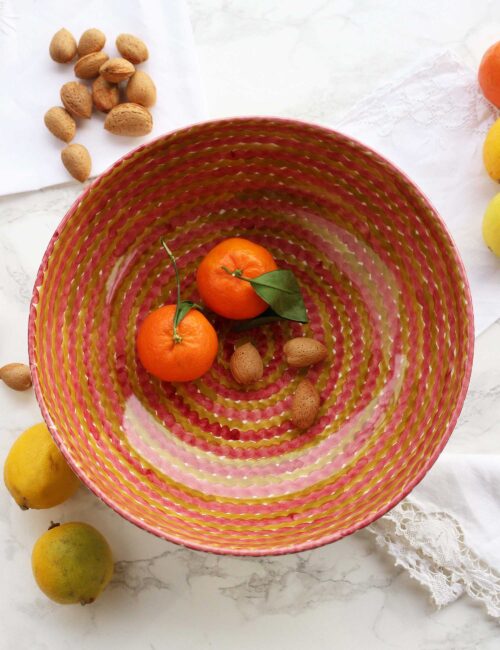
[(491, 151), (491, 225), (183, 360), (218, 282), (489, 74), (35, 471), (72, 563)]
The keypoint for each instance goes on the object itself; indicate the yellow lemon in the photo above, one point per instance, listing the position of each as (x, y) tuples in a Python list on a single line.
[(491, 151), (35, 471), (491, 225), (72, 563)]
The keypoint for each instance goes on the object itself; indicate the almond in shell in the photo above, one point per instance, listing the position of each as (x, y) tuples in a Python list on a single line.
[(116, 70), (92, 40), (16, 376), (129, 119), (77, 99), (105, 95), (88, 66), (132, 48), (76, 159), (246, 364), (141, 89), (305, 404), (303, 351), (62, 48), (60, 123)]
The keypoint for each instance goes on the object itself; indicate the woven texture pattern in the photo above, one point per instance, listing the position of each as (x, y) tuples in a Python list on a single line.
[(212, 465)]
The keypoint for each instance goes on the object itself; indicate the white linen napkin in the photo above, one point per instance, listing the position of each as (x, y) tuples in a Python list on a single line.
[(30, 81), (432, 124)]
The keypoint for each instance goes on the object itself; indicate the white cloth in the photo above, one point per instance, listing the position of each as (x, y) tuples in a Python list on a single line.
[(432, 124), (30, 81), (446, 534)]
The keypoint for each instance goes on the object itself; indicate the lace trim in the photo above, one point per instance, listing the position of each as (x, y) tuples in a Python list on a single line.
[(431, 546)]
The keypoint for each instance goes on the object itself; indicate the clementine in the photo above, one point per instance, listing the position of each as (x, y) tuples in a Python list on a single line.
[(489, 74), (184, 359), (219, 274)]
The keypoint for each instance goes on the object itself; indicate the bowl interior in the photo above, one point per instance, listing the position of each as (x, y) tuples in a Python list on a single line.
[(219, 467)]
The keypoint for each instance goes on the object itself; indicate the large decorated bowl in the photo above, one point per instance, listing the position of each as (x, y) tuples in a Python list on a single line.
[(211, 464)]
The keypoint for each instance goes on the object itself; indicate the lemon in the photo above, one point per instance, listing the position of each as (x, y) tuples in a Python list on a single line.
[(491, 225), (72, 563), (491, 151), (35, 471)]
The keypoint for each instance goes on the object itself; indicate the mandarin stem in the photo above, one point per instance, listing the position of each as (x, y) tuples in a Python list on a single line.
[(176, 337), (237, 273)]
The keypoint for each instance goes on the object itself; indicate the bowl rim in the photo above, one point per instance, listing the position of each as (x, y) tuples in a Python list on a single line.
[(108, 498)]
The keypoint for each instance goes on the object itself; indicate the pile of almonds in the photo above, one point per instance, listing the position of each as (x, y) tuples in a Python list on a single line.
[(130, 118), (247, 367)]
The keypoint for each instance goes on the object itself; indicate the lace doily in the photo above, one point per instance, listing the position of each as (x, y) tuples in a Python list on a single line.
[(431, 546)]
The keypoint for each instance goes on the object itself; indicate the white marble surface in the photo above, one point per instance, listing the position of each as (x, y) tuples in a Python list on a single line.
[(310, 59)]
